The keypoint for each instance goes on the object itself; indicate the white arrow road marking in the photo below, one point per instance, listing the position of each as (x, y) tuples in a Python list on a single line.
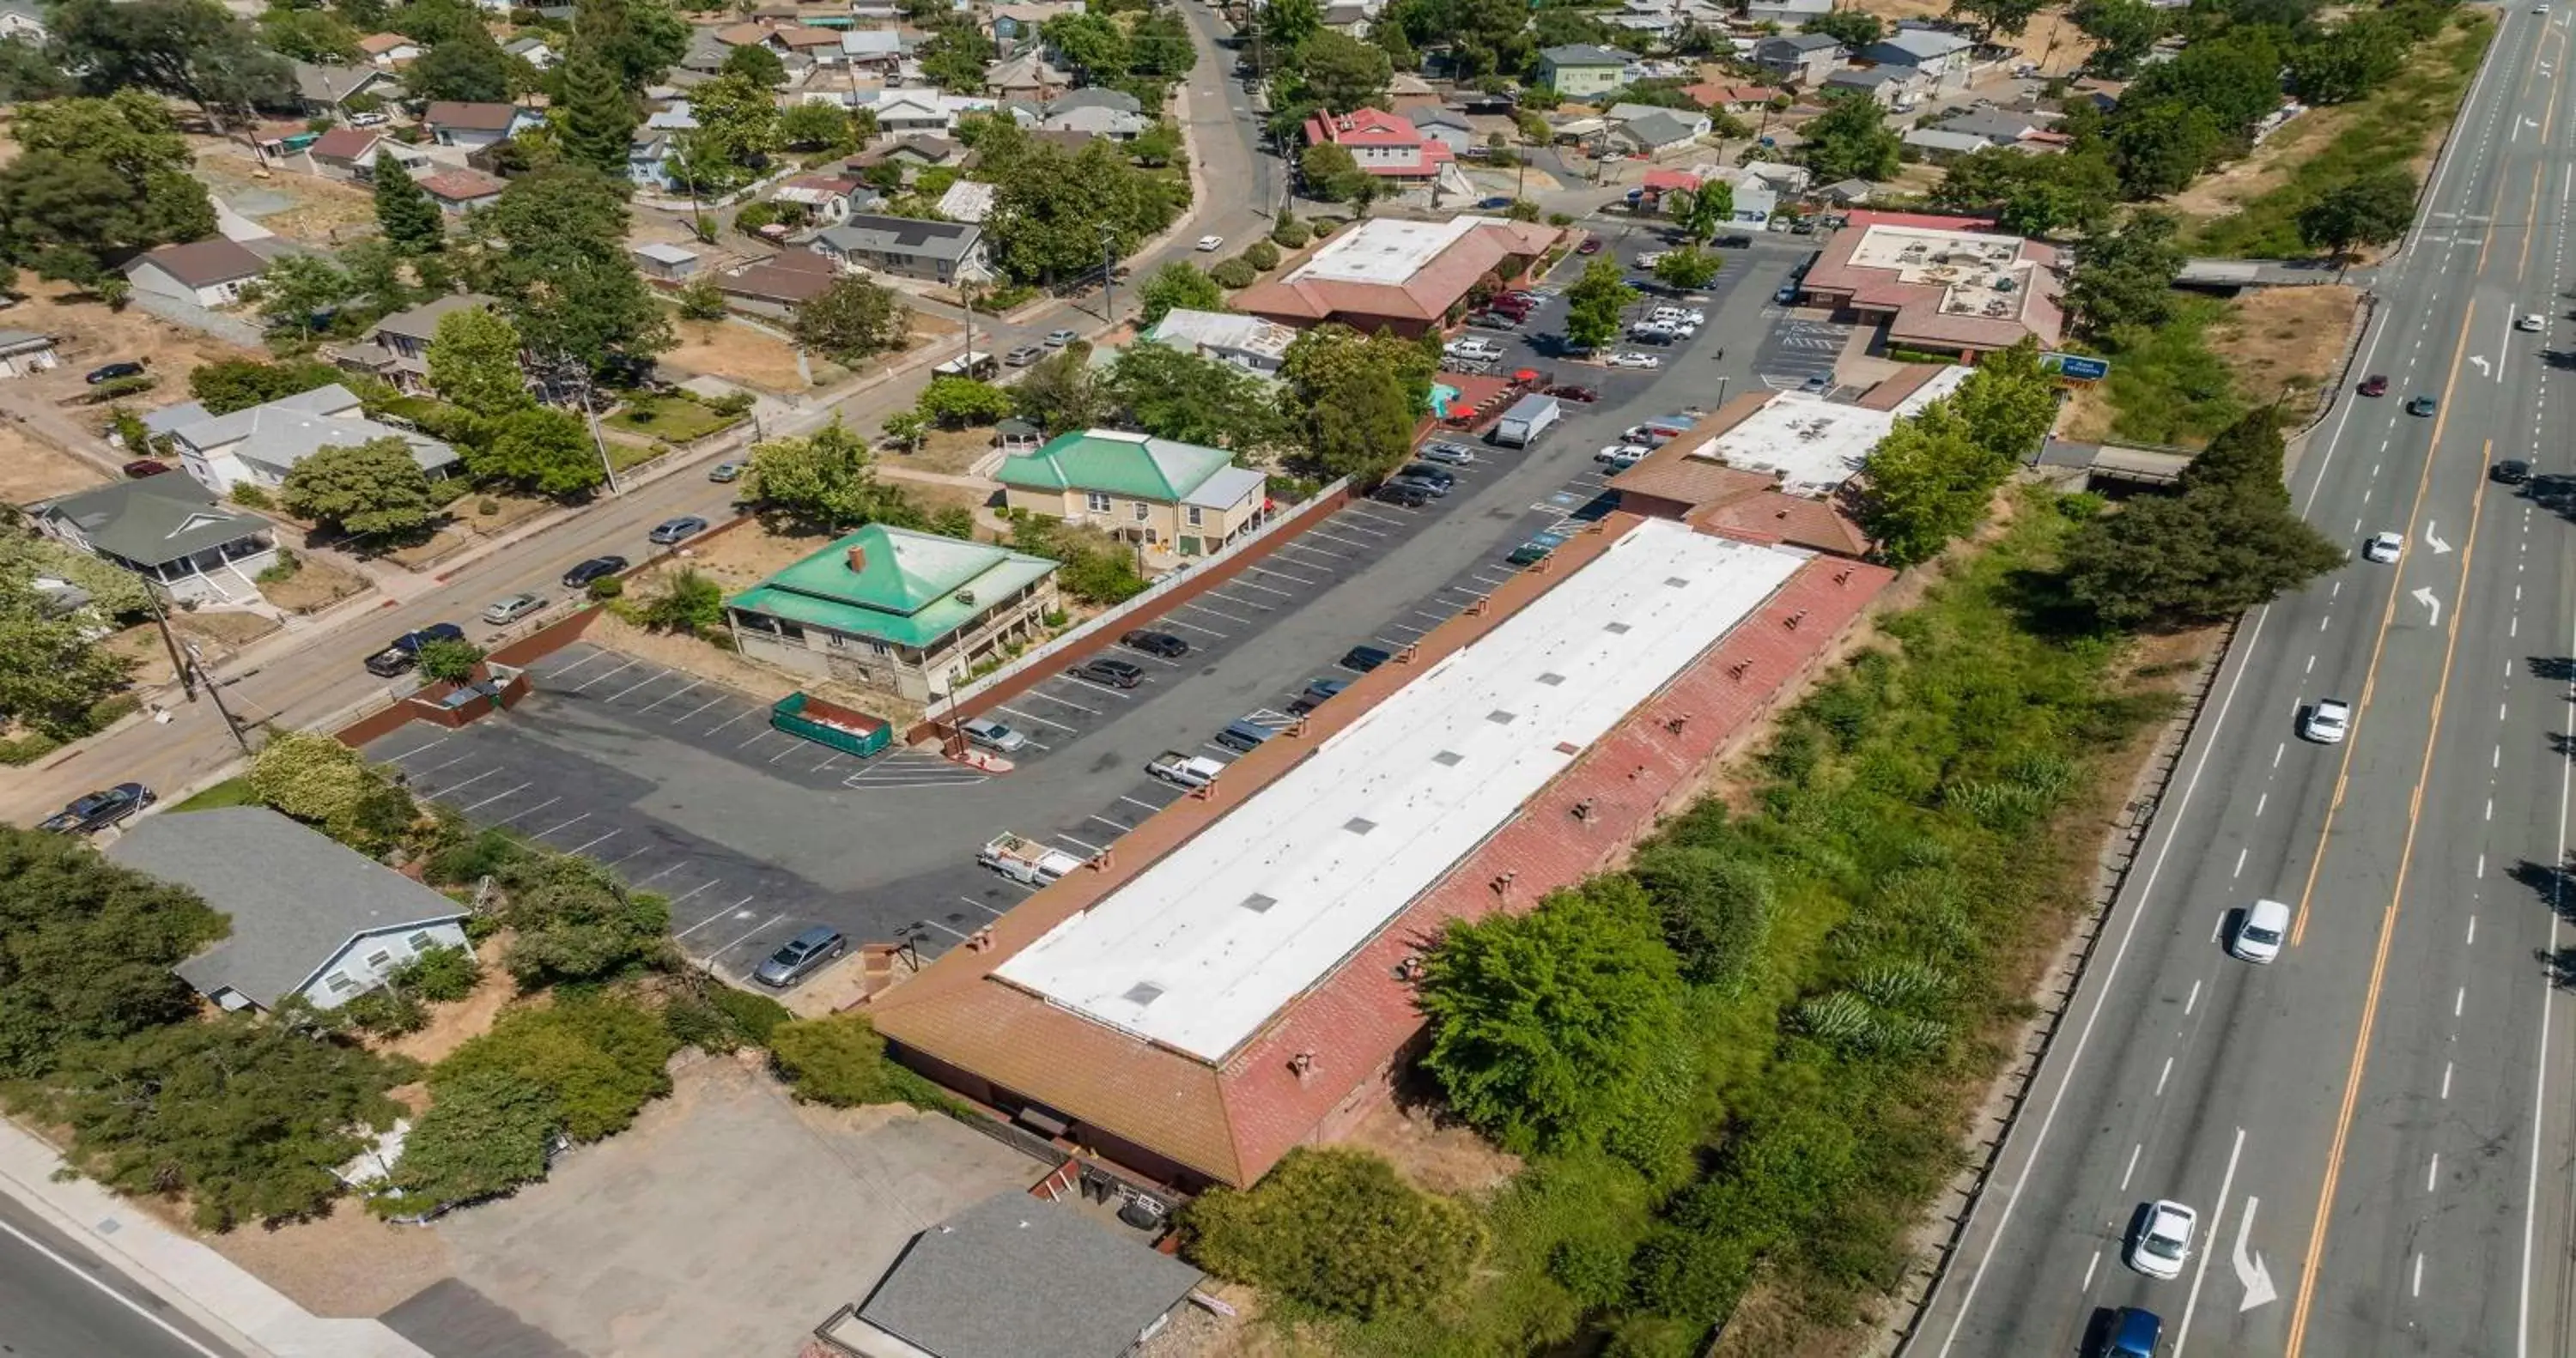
[(2217, 1223), (2426, 598), (2433, 540), (2481, 361), (2249, 1266)]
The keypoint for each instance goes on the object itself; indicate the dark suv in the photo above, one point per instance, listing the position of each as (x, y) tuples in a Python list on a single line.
[(99, 810), (1163, 644), (1362, 659), (2513, 471), (1107, 670), (403, 651)]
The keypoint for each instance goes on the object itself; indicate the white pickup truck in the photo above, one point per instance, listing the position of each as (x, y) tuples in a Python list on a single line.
[(1025, 860), (1184, 770)]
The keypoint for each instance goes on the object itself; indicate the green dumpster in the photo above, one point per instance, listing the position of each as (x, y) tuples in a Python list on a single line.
[(829, 723)]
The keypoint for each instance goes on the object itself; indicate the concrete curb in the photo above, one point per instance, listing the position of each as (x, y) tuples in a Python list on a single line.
[(234, 1306)]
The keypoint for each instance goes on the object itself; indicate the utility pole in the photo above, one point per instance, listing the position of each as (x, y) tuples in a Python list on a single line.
[(232, 723), (590, 412), (1109, 274), (161, 620)]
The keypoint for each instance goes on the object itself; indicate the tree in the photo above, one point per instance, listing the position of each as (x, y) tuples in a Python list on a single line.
[(2228, 543), (595, 118), (1092, 44), (691, 603), (905, 429), (310, 35), (573, 921), (2008, 403), (486, 1134), (955, 56), (1544, 1025), (97, 179), (701, 300), (639, 38), (1689, 268), (328, 785), (1159, 47), (2125, 279), (839, 1060), (1328, 171), (446, 661), (1174, 394), (1158, 146), (1358, 398), (599, 1057), (1927, 484), (1179, 285), (1342, 72), (955, 402), (590, 311), (367, 489), (1704, 211), (1715, 908), (737, 128), (470, 68), (852, 319), (298, 290), (1998, 16), (1852, 28), (245, 1116), (189, 49), (2347, 61), (240, 383), (2125, 31), (757, 63), (51, 676), (474, 363), (821, 127), (28, 75), (2032, 195), (86, 946), (1285, 29), (404, 210), (2373, 208), (1059, 393), (1851, 140), (825, 480), (1596, 303), (114, 591), (1337, 1229), (539, 448), (2160, 148), (1050, 209)]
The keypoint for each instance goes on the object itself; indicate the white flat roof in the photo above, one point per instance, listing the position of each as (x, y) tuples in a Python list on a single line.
[(1387, 250), (1203, 947), (1816, 444)]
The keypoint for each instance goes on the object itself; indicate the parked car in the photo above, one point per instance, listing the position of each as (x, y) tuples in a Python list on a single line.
[(2163, 1239), (1184, 770), (1620, 456), (1109, 671), (598, 567), (1243, 735), (1816, 384), (99, 810), (1536, 550), (1057, 339), (1494, 320), (1316, 693), (1024, 355), (1651, 258), (1434, 489), (113, 371), (1211, 244), (1362, 659), (1570, 392), (1424, 471), (1634, 360), (725, 471), (1734, 242), (1591, 246), (2328, 722), (681, 529), (144, 466), (505, 611), (1163, 644), (801, 956), (403, 652), (1403, 494), (1496, 203), (1786, 295), (1450, 454), (993, 735), (2374, 385)]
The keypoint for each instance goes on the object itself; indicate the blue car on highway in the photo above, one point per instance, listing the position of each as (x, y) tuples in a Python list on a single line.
[(2133, 1333)]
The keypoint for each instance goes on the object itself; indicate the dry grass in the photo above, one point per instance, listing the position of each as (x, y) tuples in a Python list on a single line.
[(740, 354), (508, 511), (949, 451), (87, 334), (2276, 338), (420, 556), (2070, 51), (32, 469), (737, 558), (1440, 1157), (346, 1264), (2267, 167), (315, 584), (450, 1025), (321, 211)]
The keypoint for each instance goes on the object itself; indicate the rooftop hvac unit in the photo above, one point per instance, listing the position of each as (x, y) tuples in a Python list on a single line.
[(966, 597)]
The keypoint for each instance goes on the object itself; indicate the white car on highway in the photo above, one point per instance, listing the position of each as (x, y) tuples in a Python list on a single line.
[(2531, 323), (2328, 722), (2383, 548), (1634, 360), (2163, 1241), (2259, 933)]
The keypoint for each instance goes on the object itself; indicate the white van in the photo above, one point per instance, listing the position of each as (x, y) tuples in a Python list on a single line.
[(2262, 931)]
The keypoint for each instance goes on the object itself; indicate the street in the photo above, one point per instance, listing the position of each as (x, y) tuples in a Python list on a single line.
[(58, 1301), (2373, 1130)]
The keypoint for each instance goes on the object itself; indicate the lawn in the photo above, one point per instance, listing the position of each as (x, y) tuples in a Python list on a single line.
[(2402, 124), (2167, 385), (229, 792), (672, 419)]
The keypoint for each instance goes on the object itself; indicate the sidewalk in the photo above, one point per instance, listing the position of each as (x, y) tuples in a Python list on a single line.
[(210, 1289)]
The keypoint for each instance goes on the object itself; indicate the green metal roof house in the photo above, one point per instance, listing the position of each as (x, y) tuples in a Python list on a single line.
[(1179, 500), (888, 608)]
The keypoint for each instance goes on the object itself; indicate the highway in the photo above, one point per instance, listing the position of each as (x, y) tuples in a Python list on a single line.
[(2374, 1130)]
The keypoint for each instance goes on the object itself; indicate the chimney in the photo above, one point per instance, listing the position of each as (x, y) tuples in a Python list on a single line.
[(858, 558)]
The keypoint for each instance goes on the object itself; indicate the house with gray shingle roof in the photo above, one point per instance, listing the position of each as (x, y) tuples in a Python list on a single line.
[(263, 443), (903, 245), (168, 529), (310, 916)]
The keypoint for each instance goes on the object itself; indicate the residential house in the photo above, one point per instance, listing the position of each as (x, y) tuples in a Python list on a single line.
[(1846, 193), (535, 51), (1894, 87), (22, 21), (168, 529), (2006, 127), (1648, 128), (1094, 97), (648, 159), (458, 192), (1936, 147), (666, 263), (1081, 1289), (1177, 500), (351, 153), (1384, 144), (968, 200), (1406, 92), (939, 252), (889, 608), (706, 52), (1578, 70), (877, 51), (1251, 343), (911, 155), (1028, 78), (1446, 126), (1095, 120), (396, 351), (1723, 97), (311, 917), (1015, 27), (905, 112), (24, 352), (828, 199), (389, 50), (776, 286), (325, 91), (475, 126), (1800, 61), (210, 272), (1790, 15), (262, 444), (1938, 58)]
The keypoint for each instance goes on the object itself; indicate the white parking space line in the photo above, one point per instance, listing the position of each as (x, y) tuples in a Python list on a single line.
[(1090, 686), (828, 761), (675, 867), (729, 720), (608, 674), (1402, 627), (1240, 583), (1320, 533), (756, 737), (1332, 558), (588, 842), (1148, 656), (694, 891), (1395, 642), (1284, 575), (560, 673), (449, 763), (488, 800), (1088, 848), (981, 906), (694, 711), (1170, 621), (630, 688), (1138, 801), (1031, 716), (1436, 618), (733, 911), (670, 695), (1114, 825), (1216, 613), (1253, 604), (559, 825), (1372, 515), (1066, 702), (945, 930), (416, 749), (529, 812), (792, 747)]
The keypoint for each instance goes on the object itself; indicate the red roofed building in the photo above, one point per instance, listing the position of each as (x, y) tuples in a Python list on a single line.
[(1948, 285), (1715, 97), (1409, 277), (1384, 144), (1234, 977)]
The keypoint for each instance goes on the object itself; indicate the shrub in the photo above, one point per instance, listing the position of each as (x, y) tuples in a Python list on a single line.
[(385, 1013), (449, 661), (1262, 255), (1234, 273), (18, 751), (841, 1061), (487, 506), (600, 1056), (440, 975), (468, 861), (110, 710), (607, 587), (573, 920), (1338, 1230), (116, 387), (1290, 233), (486, 1134), (281, 570)]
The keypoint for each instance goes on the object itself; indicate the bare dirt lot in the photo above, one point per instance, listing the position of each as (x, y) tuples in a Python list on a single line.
[(951, 451), (32, 469), (739, 354), (2056, 46), (88, 333), (315, 584), (2291, 338), (2266, 167), (298, 206)]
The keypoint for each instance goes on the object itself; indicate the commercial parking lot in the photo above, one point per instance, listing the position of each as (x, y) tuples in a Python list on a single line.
[(754, 835)]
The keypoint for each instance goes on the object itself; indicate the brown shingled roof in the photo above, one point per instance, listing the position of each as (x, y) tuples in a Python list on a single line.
[(1916, 316)]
